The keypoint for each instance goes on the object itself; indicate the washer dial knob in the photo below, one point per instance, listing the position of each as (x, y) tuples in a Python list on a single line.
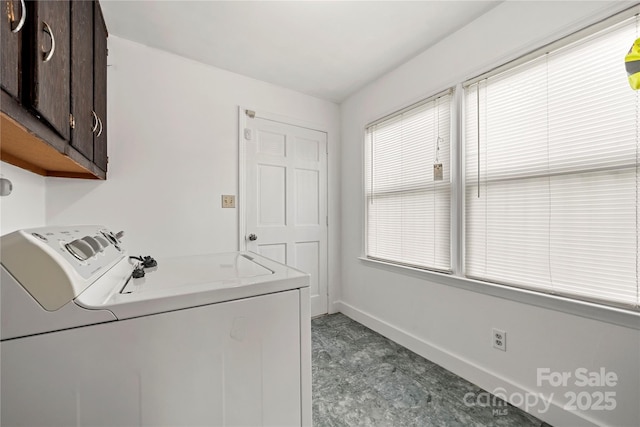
[(80, 249)]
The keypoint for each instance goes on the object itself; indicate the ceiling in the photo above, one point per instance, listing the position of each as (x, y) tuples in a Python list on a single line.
[(328, 49)]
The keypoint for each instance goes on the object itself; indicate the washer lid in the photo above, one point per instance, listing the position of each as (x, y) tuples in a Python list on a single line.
[(191, 281), (174, 273)]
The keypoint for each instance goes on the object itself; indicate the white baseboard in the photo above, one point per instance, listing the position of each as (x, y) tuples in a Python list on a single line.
[(334, 307), (556, 415)]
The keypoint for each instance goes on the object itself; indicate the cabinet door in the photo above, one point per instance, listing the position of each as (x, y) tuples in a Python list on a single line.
[(100, 89), (12, 19), (50, 63), (82, 78)]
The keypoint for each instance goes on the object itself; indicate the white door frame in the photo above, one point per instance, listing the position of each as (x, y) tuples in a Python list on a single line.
[(242, 185)]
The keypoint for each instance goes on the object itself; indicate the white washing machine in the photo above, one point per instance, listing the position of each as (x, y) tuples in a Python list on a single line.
[(210, 340)]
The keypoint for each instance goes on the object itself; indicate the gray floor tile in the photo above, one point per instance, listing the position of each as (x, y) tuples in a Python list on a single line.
[(361, 378)]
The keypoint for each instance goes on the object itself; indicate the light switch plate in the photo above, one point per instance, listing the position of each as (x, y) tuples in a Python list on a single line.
[(228, 201)]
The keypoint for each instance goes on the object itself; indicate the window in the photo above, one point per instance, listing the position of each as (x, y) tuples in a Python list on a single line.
[(407, 201), (552, 151), (551, 167)]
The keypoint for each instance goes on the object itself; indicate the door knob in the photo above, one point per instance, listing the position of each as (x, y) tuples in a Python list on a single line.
[(253, 237)]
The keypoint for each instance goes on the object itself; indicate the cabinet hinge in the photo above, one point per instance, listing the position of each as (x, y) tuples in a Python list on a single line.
[(72, 121)]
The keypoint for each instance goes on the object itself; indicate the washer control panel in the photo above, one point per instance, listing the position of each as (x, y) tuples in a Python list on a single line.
[(90, 246), (55, 264), (87, 248)]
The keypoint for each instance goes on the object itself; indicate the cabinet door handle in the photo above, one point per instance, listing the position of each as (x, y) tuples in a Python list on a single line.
[(100, 131), (23, 17), (47, 55), (95, 122)]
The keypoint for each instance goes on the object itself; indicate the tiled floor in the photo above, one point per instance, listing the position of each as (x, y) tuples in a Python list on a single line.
[(361, 378)]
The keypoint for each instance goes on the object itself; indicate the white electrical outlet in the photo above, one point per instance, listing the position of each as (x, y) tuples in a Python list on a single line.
[(499, 339)]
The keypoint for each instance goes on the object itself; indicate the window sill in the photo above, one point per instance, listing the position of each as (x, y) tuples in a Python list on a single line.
[(617, 316)]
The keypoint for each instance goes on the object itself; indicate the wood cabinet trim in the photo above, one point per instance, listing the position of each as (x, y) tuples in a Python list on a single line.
[(22, 144)]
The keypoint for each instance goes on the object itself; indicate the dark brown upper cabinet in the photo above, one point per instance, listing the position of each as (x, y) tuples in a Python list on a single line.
[(100, 89), (89, 82), (53, 101), (12, 28), (84, 118), (50, 63)]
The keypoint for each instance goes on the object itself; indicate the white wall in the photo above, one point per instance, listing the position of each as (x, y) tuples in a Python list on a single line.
[(449, 325), (173, 151), (25, 206)]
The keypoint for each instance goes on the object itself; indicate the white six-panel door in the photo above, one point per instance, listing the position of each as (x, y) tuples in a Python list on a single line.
[(286, 199)]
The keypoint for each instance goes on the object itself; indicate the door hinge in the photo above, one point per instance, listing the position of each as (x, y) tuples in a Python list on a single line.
[(247, 134), (72, 121), (250, 113), (327, 217)]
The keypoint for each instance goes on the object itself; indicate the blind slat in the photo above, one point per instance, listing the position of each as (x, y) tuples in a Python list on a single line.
[(552, 184), (408, 212)]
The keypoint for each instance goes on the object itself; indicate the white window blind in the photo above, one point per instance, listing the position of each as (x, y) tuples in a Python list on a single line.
[(408, 211), (551, 175)]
